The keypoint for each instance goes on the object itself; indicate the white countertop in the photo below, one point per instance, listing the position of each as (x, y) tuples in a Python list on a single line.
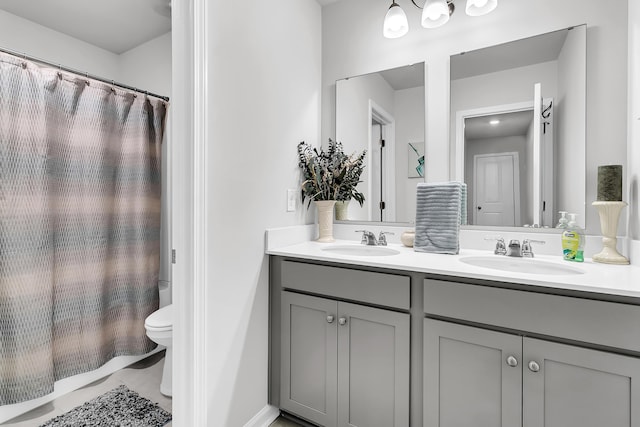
[(619, 280)]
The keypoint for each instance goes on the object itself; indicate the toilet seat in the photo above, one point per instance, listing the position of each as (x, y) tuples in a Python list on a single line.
[(160, 320)]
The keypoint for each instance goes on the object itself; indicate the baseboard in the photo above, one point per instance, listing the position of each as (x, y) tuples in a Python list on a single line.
[(264, 418)]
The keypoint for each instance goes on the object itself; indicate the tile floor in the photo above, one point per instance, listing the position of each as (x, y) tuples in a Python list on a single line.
[(282, 422), (142, 377)]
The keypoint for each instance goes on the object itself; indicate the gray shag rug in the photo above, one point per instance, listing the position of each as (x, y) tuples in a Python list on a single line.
[(119, 407)]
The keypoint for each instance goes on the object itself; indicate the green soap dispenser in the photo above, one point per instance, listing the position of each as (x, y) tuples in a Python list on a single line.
[(573, 241)]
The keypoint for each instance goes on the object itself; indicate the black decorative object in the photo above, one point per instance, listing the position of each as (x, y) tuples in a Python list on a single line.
[(610, 183)]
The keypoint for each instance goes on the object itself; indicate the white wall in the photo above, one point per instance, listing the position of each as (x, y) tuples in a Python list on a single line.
[(148, 66), (502, 87), (633, 144), (569, 131), (264, 82), (409, 107), (27, 37), (353, 44)]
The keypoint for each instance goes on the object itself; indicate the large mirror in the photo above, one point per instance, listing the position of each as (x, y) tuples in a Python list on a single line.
[(384, 113), (518, 129)]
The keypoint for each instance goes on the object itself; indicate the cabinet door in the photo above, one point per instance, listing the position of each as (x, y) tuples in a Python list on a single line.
[(373, 367), (469, 379), (309, 347), (567, 386)]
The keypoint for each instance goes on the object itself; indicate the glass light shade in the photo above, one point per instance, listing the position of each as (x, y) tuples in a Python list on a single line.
[(480, 7), (435, 13), (395, 22)]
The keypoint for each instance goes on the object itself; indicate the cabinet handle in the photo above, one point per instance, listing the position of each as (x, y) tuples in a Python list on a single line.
[(342, 321), (330, 319), (512, 361), (533, 366)]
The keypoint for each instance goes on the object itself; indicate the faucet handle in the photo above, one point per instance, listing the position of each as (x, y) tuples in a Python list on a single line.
[(382, 239), (527, 252), (368, 238), (501, 247)]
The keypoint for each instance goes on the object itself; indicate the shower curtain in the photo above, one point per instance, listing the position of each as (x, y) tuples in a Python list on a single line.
[(79, 224)]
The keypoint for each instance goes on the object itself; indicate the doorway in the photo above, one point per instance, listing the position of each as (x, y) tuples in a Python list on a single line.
[(496, 178), (381, 178)]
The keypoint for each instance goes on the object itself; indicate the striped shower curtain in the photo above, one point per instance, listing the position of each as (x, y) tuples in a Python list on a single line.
[(79, 224)]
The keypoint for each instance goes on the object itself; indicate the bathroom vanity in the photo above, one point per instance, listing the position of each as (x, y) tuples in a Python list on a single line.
[(418, 339)]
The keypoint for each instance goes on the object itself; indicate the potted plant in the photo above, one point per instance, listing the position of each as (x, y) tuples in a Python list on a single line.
[(329, 176)]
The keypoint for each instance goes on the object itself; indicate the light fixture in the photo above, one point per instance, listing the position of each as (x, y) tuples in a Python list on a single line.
[(480, 7), (435, 13), (395, 22)]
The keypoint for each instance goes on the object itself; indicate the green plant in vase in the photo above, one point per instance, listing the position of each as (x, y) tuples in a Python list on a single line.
[(329, 176)]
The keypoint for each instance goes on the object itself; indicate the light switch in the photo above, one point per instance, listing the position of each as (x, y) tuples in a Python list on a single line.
[(291, 200)]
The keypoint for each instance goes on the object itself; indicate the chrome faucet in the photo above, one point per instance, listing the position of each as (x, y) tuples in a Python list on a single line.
[(501, 248), (382, 238), (514, 250), (527, 252), (524, 250), (369, 239)]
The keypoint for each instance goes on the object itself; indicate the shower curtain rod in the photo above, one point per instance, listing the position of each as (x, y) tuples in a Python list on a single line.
[(81, 73)]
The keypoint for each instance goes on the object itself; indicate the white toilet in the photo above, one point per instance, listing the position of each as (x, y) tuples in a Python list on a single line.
[(159, 326)]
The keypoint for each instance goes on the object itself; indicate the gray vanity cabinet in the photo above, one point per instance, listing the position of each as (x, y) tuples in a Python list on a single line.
[(344, 364), (569, 386), (468, 381), (523, 369), (309, 364), (477, 377)]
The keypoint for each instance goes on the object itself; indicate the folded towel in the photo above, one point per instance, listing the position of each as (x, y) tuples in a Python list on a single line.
[(438, 217), (463, 205)]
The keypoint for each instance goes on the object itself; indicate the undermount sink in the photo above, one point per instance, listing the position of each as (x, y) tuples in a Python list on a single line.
[(361, 250), (520, 265)]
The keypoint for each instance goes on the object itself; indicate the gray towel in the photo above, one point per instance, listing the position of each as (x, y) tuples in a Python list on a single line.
[(438, 217), (463, 205)]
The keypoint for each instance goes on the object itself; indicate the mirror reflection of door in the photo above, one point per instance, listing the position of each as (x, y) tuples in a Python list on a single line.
[(377, 174), (501, 78), (394, 99), (496, 176), (498, 151)]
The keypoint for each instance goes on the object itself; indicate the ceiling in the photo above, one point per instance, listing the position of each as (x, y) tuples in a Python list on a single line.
[(405, 77), (114, 25), (511, 124), (520, 53)]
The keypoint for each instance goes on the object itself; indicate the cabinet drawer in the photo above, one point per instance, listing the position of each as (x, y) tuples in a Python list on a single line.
[(599, 322), (364, 286)]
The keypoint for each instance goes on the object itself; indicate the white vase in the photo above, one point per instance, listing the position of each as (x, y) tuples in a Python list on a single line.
[(325, 220), (342, 210), (609, 217)]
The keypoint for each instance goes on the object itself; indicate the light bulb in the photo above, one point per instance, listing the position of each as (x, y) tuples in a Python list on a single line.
[(480, 7), (395, 22), (435, 13)]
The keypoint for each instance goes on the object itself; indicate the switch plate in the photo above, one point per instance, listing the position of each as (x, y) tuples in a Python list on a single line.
[(291, 200)]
